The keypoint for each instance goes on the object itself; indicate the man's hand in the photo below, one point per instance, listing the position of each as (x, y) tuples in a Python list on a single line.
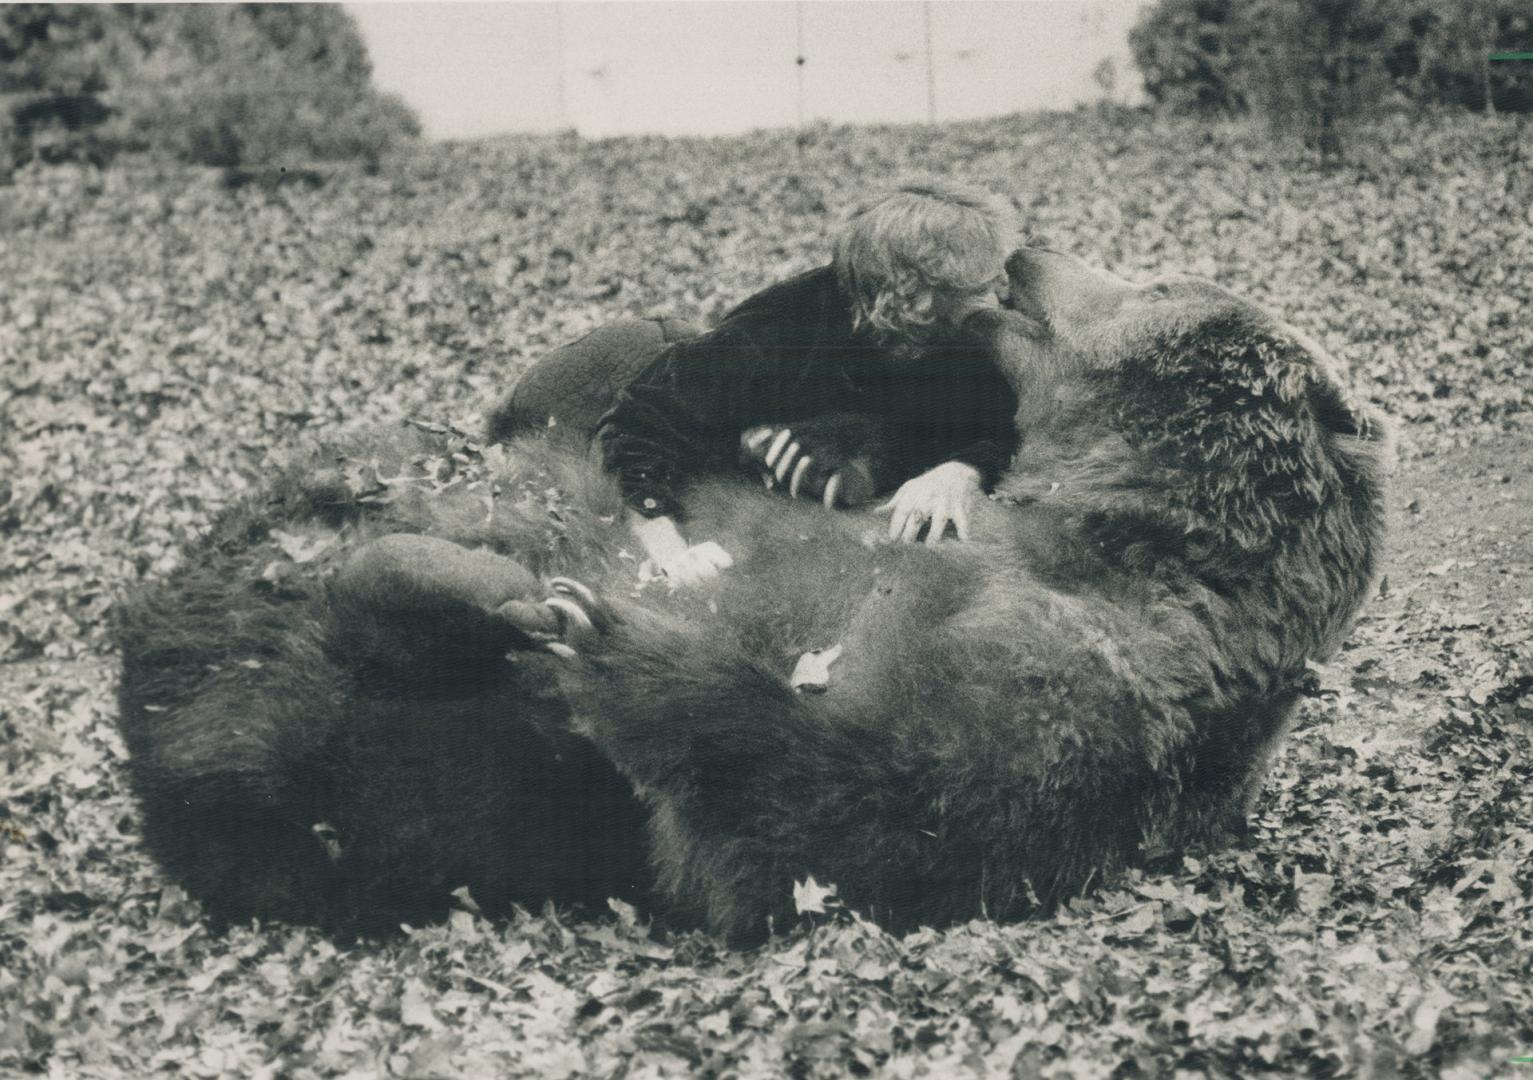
[(808, 464), (938, 496), (672, 556)]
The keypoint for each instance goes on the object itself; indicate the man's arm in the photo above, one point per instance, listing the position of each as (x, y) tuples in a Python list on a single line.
[(959, 421), (962, 409), (681, 416), (687, 409)]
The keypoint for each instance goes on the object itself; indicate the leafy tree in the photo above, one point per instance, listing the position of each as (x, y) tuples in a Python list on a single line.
[(54, 48), (1451, 57), (1315, 64), (217, 84), (1312, 65), (1189, 52), (53, 61)]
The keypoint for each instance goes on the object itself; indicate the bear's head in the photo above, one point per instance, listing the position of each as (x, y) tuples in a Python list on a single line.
[(1176, 406), (1096, 315)]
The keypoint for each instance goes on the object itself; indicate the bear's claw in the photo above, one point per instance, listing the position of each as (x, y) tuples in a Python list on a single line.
[(571, 614), (570, 587), (580, 614)]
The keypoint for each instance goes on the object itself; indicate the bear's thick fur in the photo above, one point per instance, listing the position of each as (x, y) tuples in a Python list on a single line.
[(1195, 514), (316, 737)]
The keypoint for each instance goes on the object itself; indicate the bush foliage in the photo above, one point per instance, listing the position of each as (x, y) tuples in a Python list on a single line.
[(232, 85), (1308, 64)]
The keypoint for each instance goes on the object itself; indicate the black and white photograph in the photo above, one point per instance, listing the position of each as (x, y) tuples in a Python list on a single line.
[(766, 538)]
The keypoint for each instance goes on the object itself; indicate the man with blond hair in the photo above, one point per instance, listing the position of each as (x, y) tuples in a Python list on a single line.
[(872, 342)]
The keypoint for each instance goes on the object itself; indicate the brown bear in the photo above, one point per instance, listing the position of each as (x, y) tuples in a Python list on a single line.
[(1195, 513), (353, 698)]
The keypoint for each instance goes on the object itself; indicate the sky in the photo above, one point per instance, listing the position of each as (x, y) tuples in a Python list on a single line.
[(719, 66)]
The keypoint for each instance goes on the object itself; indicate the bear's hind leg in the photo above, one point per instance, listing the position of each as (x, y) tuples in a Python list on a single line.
[(751, 786)]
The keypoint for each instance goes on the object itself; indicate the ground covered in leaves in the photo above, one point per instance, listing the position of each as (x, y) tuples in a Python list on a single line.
[(162, 334)]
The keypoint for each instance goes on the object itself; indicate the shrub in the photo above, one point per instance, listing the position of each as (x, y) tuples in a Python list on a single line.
[(1188, 52), (1314, 65), (1448, 57), (247, 84), (1311, 64)]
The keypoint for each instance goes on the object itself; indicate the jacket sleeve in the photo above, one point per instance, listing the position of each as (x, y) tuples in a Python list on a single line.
[(990, 440), (962, 409), (685, 412)]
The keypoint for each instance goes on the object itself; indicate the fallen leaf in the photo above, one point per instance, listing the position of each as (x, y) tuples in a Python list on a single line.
[(302, 549), (812, 672), (809, 896)]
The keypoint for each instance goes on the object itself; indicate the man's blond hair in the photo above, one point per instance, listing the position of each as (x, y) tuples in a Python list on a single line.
[(898, 255)]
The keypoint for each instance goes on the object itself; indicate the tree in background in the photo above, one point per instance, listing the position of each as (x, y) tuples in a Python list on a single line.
[(1450, 61), (1189, 54), (51, 80), (1311, 66), (245, 84), (1314, 65)]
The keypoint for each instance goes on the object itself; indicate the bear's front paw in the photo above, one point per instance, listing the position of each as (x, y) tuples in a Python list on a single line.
[(825, 459), (581, 615), (534, 619)]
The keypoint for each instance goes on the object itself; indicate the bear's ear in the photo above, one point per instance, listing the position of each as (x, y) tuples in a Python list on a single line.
[(1336, 410), (1227, 415)]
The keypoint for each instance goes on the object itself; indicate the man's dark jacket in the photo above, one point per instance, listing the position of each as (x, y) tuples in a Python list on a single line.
[(790, 354)]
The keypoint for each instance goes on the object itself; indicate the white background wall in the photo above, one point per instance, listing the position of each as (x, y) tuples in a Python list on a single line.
[(712, 66)]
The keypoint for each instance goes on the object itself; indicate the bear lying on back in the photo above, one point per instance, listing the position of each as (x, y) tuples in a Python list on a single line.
[(1196, 512), (1194, 515)]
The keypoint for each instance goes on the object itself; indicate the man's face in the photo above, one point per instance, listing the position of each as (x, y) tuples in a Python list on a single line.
[(954, 307)]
